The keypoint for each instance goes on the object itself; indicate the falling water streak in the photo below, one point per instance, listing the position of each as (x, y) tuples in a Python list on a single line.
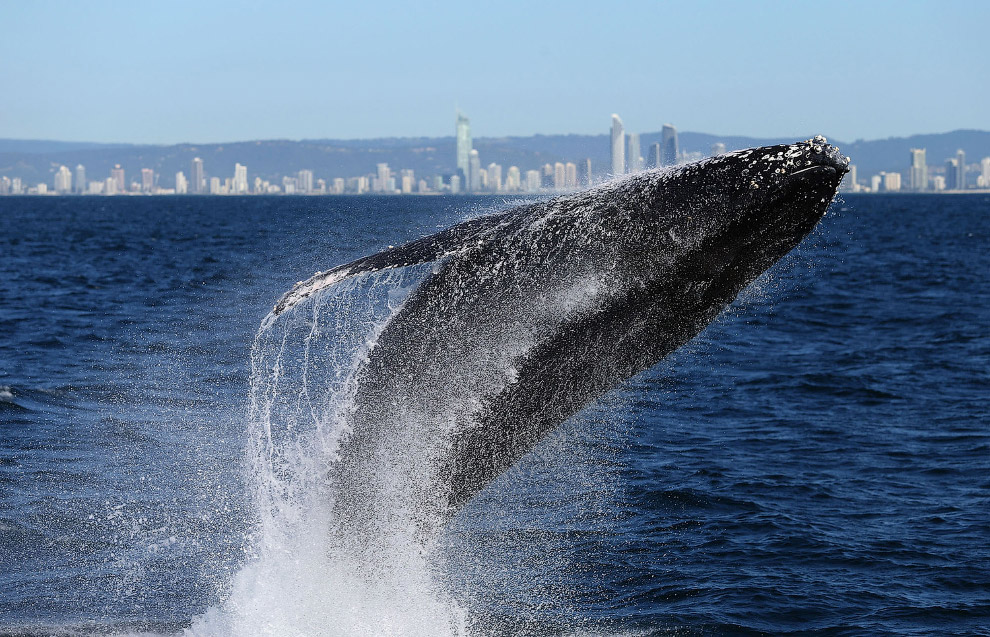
[(300, 579)]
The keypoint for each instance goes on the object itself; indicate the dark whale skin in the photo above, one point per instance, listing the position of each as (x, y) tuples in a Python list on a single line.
[(532, 313)]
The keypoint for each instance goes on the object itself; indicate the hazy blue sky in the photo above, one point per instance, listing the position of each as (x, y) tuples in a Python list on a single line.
[(175, 71)]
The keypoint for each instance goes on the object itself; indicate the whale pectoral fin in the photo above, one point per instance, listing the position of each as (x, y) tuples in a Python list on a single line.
[(431, 248)]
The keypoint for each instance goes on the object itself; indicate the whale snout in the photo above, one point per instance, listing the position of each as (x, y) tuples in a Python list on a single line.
[(816, 154)]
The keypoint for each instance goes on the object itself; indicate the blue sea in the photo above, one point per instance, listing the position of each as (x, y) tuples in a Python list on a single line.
[(816, 462)]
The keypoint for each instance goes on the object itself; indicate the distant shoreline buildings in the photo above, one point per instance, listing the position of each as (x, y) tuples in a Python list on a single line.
[(470, 176), (952, 177)]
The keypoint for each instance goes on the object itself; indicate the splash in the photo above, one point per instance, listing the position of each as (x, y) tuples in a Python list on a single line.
[(305, 575)]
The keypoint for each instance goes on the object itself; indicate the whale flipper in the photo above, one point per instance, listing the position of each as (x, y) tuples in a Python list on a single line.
[(431, 248)]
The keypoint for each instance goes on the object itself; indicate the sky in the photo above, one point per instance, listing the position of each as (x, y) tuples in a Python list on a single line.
[(170, 72)]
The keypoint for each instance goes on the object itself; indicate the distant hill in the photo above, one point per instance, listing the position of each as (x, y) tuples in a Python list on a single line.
[(35, 161)]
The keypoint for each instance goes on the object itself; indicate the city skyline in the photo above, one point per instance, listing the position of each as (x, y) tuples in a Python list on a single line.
[(468, 175)]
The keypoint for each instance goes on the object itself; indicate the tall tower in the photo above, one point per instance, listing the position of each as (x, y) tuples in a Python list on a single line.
[(63, 180), (635, 162), (919, 169), (196, 177), (618, 146), (655, 156), (474, 172), (240, 179), (463, 145), (147, 179), (80, 179), (960, 170), (117, 174), (668, 145), (586, 172)]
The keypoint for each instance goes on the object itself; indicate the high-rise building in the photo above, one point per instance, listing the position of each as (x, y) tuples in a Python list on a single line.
[(455, 184), (80, 179), (494, 177), (656, 156), (951, 172), (63, 180), (216, 188), (586, 172), (532, 180), (463, 145), (16, 186), (559, 175), (382, 178), (304, 180), (240, 185), (718, 148), (513, 179), (474, 172), (618, 146), (919, 170), (4, 185), (181, 186), (546, 176), (960, 170), (635, 162), (668, 144), (147, 180), (110, 186), (117, 174), (570, 175), (985, 172), (197, 176), (891, 181)]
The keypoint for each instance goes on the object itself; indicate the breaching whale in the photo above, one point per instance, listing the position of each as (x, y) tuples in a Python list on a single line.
[(531, 313)]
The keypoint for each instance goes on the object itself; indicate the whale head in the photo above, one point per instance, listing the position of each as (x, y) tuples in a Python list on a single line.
[(731, 216)]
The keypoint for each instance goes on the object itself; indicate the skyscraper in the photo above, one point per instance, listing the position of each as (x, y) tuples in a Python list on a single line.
[(304, 181), (570, 175), (668, 145), (147, 179), (985, 171), (718, 148), (383, 178), (494, 177), (635, 163), (586, 172), (463, 145), (618, 146), (80, 179), (63, 180), (951, 173), (117, 174), (559, 175), (919, 170), (181, 186), (513, 179), (960, 170), (656, 156), (474, 171), (197, 177)]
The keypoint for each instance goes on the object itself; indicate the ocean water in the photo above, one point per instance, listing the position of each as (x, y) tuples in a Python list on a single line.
[(815, 462)]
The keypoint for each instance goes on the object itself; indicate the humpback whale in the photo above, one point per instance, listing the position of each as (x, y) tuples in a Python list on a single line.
[(531, 313)]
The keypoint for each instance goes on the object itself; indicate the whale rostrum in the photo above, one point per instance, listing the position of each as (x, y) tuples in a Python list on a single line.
[(531, 313)]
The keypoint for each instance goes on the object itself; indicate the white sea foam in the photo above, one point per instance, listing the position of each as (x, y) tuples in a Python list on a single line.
[(302, 578)]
